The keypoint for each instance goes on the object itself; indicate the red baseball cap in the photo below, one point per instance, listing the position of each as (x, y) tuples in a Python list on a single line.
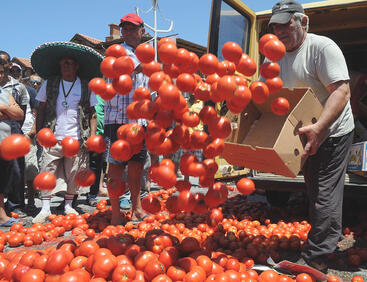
[(131, 18)]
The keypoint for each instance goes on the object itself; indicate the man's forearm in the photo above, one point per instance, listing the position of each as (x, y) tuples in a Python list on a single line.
[(334, 105), (40, 116), (93, 123)]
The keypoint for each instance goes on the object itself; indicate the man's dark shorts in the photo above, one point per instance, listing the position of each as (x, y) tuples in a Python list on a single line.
[(110, 137)]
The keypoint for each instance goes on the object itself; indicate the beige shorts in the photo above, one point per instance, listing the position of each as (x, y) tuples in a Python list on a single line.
[(31, 164), (65, 169)]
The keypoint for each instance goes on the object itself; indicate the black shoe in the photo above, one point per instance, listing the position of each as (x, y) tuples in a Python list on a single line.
[(91, 201)]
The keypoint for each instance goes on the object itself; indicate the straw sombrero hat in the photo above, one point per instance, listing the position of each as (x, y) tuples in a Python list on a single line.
[(45, 59)]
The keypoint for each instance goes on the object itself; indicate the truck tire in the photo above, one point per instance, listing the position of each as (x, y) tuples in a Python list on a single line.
[(276, 198)]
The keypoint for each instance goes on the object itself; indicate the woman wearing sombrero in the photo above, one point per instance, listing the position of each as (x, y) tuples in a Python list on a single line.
[(67, 108)]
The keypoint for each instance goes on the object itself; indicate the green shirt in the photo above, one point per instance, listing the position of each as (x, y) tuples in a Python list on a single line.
[(100, 115)]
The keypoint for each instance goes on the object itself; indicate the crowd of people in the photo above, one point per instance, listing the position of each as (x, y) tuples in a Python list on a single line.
[(59, 99)]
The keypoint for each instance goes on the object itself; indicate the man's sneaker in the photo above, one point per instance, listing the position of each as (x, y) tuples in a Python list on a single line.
[(125, 204), (69, 210), (42, 217)]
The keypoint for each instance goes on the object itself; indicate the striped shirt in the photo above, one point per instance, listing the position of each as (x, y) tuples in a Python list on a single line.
[(115, 109)]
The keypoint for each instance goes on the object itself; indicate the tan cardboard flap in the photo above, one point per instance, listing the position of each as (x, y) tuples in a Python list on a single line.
[(262, 159), (307, 110), (289, 147), (265, 131)]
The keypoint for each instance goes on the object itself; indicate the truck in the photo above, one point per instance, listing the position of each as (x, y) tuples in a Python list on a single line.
[(344, 21)]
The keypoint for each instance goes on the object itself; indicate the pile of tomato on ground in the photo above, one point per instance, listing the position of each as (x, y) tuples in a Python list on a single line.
[(183, 246)]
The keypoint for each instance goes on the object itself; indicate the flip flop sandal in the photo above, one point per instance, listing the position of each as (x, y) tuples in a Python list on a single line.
[(10, 222)]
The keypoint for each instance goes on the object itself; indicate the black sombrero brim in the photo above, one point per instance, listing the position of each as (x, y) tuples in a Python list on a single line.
[(46, 57)]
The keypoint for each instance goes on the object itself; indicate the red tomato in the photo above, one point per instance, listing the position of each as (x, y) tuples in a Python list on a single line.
[(214, 148), (85, 178), (226, 86), (109, 92), (246, 65), (274, 84), (264, 39), (122, 84), (274, 50), (269, 276), (202, 91), (123, 272), (226, 68), (182, 58), (33, 275), (333, 278), (121, 150), (186, 201), (166, 176), (151, 204), (165, 40), (70, 146), (269, 70), (107, 67), (210, 79), (167, 53), (199, 139), (123, 65), (152, 67), (157, 79), (186, 82), (97, 85), (208, 64), (304, 277), (220, 127), (357, 278), (241, 96), (280, 106), (96, 144), (231, 51), (260, 92), (214, 217), (104, 266), (46, 138), (190, 119), (14, 146), (56, 262), (141, 93), (135, 133), (172, 70), (115, 50), (245, 186), (208, 114), (145, 53), (44, 181), (169, 95), (192, 65)]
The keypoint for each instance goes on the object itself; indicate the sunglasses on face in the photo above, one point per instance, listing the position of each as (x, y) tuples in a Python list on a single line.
[(35, 82)]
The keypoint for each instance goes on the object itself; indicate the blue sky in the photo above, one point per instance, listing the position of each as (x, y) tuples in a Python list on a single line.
[(27, 24)]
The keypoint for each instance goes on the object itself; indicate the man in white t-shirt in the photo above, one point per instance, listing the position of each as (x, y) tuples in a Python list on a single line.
[(61, 103), (317, 62)]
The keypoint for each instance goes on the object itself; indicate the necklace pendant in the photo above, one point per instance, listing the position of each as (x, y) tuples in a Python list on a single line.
[(65, 104)]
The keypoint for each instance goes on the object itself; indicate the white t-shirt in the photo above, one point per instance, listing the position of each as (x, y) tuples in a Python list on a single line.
[(317, 63), (67, 118)]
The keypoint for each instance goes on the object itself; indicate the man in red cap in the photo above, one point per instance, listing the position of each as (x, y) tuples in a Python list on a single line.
[(132, 30)]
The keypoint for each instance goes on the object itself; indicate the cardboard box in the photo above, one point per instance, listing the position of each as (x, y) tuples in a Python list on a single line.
[(270, 143), (358, 159)]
